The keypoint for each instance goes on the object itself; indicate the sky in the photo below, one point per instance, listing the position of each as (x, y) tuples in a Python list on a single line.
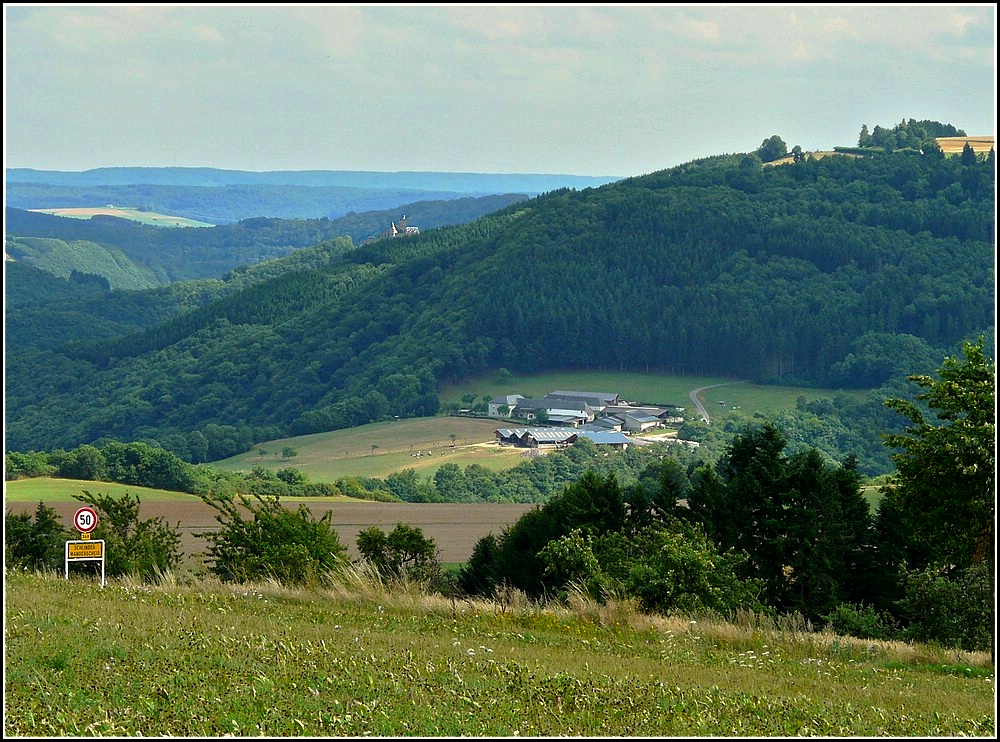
[(589, 89)]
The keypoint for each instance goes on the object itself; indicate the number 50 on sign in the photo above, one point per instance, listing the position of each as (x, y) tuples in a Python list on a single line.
[(85, 520)]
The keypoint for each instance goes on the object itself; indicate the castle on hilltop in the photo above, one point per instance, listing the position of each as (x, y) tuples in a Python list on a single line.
[(400, 229)]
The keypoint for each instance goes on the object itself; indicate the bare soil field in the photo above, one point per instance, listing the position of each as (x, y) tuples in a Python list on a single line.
[(455, 527)]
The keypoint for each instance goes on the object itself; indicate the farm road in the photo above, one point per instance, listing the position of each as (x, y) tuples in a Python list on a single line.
[(697, 402)]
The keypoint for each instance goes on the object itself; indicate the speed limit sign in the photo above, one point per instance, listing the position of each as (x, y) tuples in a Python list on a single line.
[(85, 520)]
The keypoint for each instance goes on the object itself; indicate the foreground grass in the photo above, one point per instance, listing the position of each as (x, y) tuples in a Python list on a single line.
[(205, 659)]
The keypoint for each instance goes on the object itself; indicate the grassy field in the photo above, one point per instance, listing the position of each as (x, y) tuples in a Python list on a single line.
[(209, 660), (143, 217), (379, 449), (647, 388)]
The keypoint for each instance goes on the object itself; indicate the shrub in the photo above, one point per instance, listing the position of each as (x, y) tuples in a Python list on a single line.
[(950, 609), (862, 621), (682, 570), (38, 544), (291, 547), (141, 548), (571, 563), (404, 553)]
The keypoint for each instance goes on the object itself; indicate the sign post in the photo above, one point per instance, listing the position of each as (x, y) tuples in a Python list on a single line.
[(85, 550)]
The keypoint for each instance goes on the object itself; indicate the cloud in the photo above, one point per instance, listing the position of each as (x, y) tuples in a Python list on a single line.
[(590, 89)]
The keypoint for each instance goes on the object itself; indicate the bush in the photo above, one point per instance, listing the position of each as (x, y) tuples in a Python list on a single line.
[(38, 544), (140, 548), (291, 547), (405, 552), (679, 569), (862, 621), (950, 609), (571, 563)]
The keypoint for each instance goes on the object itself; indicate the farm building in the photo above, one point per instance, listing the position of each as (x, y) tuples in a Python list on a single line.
[(504, 405), (597, 401), (539, 437), (556, 411), (638, 419), (600, 411)]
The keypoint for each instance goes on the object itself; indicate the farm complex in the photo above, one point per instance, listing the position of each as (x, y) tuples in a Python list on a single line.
[(563, 417)]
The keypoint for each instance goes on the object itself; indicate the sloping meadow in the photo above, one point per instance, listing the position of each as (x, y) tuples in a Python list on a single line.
[(207, 659)]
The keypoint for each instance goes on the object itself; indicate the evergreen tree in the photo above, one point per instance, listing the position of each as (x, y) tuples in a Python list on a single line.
[(969, 155)]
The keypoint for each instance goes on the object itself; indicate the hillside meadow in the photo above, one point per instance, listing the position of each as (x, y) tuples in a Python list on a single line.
[(205, 659)]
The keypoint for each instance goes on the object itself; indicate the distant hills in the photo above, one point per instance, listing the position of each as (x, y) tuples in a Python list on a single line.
[(466, 183), (227, 196)]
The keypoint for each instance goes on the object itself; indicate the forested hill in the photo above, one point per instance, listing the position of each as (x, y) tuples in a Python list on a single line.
[(167, 255), (826, 270)]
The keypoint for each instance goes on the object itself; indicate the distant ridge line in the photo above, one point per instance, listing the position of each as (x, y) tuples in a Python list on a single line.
[(472, 183)]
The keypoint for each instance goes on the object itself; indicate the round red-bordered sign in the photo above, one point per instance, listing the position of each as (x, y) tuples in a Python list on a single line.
[(85, 520)]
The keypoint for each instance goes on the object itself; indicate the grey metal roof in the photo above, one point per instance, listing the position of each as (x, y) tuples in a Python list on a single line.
[(608, 438), (553, 404), (604, 398), (552, 435), (643, 418)]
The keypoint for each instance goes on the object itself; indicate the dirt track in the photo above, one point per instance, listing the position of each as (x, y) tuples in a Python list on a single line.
[(455, 528)]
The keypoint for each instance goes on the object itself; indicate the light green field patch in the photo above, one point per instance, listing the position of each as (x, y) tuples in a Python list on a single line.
[(143, 217), (736, 395), (45, 489), (379, 449)]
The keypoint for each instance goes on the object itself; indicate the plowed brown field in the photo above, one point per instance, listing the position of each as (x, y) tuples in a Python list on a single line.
[(455, 528)]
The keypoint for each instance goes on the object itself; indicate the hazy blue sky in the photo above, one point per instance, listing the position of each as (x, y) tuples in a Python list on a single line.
[(586, 89)]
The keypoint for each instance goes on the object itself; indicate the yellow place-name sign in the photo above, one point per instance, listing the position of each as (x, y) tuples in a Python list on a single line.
[(93, 550)]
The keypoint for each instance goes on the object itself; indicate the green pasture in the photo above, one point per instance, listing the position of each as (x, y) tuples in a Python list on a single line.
[(379, 449), (737, 395), (50, 490)]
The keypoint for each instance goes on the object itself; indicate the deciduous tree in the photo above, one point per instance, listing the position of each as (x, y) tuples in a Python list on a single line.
[(945, 478), (944, 487)]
